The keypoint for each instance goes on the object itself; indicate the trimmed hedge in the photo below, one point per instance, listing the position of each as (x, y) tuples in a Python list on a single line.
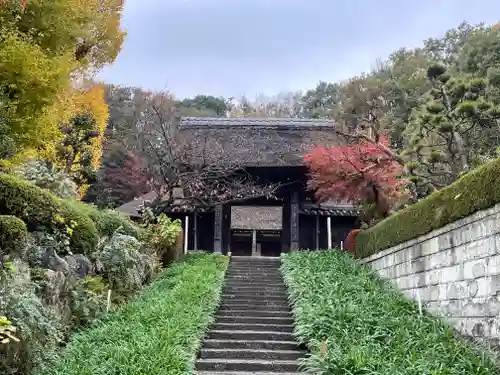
[(108, 221), (159, 332), (13, 236), (355, 323), (477, 190), (38, 207)]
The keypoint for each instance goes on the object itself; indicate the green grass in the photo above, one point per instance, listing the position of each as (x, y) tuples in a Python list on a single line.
[(355, 323), (159, 332)]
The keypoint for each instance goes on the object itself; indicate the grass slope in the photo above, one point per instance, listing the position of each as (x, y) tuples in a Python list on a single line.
[(158, 332), (355, 323)]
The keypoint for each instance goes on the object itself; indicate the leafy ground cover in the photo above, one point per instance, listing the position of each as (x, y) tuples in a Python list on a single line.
[(158, 332), (356, 323)]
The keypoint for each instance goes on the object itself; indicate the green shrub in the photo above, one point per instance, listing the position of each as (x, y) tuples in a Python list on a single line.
[(108, 222), (355, 323), (88, 301), (163, 238), (38, 329), (159, 332), (122, 264), (39, 208), (477, 190), (13, 236), (47, 176)]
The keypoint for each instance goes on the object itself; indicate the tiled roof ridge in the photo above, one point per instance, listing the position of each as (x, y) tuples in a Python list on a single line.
[(255, 121)]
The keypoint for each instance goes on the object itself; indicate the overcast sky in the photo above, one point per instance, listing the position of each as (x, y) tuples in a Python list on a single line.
[(235, 47)]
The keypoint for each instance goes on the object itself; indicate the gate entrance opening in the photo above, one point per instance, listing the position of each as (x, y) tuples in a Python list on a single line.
[(256, 242)]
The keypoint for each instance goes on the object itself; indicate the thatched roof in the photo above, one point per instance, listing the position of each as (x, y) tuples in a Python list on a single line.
[(132, 208), (263, 142), (256, 122)]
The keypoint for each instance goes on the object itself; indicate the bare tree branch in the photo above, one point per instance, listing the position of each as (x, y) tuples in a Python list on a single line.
[(205, 171)]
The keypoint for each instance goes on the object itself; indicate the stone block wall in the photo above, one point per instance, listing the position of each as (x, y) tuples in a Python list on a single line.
[(454, 271)]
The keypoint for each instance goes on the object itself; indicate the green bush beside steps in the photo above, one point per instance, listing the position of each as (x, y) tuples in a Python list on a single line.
[(475, 191), (108, 221), (13, 236), (159, 332), (42, 210), (355, 323), (39, 208)]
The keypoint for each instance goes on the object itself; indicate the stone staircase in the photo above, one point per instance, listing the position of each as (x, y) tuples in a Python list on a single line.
[(252, 333)]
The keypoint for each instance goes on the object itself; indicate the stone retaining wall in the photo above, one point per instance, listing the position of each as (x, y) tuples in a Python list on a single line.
[(454, 271)]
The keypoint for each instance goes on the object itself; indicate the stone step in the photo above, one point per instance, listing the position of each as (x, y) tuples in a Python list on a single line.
[(249, 335), (254, 259), (255, 278), (254, 269), (254, 297), (246, 373), (234, 273), (256, 266), (266, 276), (247, 276), (229, 310), (287, 355), (254, 284), (255, 293), (249, 306), (261, 303), (251, 303), (246, 365), (241, 275), (251, 296), (228, 318), (251, 344), (254, 281), (252, 289), (277, 327), (262, 266), (268, 271), (232, 291), (245, 299)]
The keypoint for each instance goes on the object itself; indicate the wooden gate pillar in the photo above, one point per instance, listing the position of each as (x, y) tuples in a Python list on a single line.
[(294, 222), (218, 228)]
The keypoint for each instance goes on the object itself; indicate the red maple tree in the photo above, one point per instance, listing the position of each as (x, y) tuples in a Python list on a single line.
[(121, 178), (360, 172)]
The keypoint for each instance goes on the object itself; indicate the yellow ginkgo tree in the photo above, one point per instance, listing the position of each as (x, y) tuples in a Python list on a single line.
[(79, 151), (46, 48)]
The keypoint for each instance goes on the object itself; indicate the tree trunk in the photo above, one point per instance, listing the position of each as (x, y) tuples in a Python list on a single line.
[(460, 151)]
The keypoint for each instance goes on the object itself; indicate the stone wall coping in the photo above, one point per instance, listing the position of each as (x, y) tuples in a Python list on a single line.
[(475, 217)]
